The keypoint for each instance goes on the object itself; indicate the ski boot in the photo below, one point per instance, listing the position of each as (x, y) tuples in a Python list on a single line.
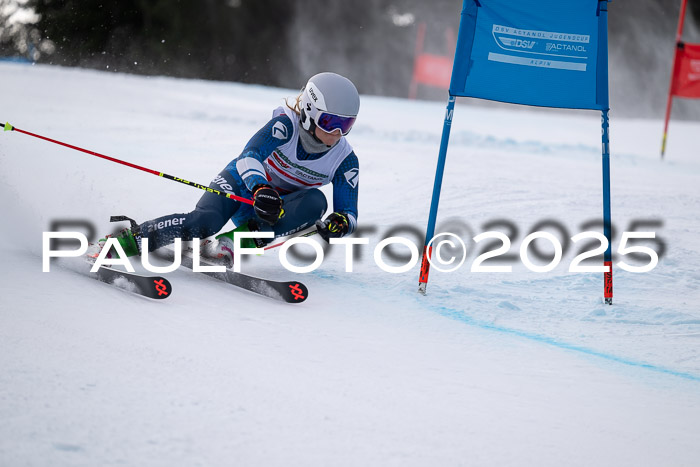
[(220, 249), (126, 240)]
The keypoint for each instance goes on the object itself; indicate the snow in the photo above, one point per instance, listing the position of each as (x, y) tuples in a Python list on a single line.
[(492, 369)]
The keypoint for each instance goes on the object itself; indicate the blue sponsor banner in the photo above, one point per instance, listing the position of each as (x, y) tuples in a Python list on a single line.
[(535, 52)]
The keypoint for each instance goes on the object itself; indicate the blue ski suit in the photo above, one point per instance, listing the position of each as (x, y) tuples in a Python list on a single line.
[(275, 156)]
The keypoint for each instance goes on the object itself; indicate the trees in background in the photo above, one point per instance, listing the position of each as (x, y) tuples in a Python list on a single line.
[(283, 42), (20, 35), (211, 39)]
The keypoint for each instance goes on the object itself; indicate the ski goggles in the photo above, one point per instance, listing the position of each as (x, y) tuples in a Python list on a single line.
[(329, 123)]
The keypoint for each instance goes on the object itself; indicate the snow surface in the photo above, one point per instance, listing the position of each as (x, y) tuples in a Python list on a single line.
[(492, 369)]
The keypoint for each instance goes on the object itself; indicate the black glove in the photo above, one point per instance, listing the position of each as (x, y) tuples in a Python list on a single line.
[(267, 203), (335, 226)]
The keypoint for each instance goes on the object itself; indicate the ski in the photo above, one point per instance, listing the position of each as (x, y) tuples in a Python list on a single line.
[(286, 291), (155, 287)]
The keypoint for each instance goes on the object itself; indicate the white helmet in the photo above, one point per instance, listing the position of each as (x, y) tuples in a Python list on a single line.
[(329, 101)]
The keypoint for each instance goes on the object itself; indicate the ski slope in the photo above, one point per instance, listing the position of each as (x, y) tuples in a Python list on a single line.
[(490, 369)]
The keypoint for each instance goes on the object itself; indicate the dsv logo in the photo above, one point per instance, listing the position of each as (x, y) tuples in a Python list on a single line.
[(512, 42)]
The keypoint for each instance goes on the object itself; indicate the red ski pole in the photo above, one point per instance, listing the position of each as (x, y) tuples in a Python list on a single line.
[(8, 127)]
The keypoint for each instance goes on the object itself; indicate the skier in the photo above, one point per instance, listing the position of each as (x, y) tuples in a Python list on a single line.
[(281, 169)]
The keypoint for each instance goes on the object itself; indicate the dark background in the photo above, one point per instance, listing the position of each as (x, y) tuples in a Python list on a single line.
[(283, 42)]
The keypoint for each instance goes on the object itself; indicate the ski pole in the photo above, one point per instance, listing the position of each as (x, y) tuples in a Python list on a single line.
[(8, 127), (310, 233)]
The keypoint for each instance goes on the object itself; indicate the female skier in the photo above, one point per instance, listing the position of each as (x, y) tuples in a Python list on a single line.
[(302, 148)]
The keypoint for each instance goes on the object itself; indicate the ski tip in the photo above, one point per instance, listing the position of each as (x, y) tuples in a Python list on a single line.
[(296, 292), (8, 127), (156, 287), (161, 288)]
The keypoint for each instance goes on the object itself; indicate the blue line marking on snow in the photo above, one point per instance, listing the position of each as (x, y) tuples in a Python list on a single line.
[(459, 315)]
